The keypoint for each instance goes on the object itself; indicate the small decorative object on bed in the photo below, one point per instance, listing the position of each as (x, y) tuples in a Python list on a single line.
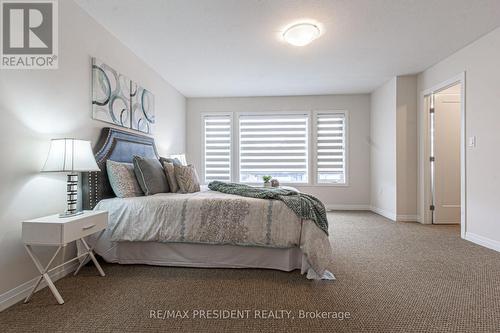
[(118, 100), (267, 180), (275, 183)]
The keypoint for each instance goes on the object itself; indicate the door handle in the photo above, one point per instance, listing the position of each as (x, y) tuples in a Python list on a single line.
[(88, 227)]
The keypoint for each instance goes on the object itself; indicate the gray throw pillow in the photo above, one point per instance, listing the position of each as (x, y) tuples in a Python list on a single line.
[(187, 178), (170, 173), (122, 179), (150, 175), (174, 161)]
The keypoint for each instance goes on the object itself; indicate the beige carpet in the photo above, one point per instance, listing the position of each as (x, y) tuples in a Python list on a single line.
[(391, 277)]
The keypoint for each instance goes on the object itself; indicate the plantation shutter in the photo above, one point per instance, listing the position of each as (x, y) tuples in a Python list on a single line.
[(331, 147), (274, 145), (217, 164)]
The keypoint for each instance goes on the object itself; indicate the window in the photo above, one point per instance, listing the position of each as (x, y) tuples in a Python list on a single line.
[(274, 145), (294, 147), (331, 147), (217, 147)]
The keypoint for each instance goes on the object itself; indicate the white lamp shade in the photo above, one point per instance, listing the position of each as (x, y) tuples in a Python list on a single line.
[(180, 157), (70, 155)]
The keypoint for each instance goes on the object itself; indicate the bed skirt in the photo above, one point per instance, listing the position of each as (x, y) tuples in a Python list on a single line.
[(203, 255)]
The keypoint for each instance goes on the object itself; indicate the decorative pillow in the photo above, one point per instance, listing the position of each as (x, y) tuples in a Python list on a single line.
[(122, 179), (187, 178), (170, 173), (150, 175), (174, 161)]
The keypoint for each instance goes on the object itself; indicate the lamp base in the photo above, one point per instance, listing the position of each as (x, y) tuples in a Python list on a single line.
[(71, 196), (70, 214)]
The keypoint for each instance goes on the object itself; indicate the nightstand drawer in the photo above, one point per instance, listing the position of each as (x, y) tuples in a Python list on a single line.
[(84, 227), (46, 234)]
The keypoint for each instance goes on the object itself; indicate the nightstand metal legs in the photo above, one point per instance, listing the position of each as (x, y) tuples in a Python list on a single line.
[(44, 271), (90, 253), (44, 274)]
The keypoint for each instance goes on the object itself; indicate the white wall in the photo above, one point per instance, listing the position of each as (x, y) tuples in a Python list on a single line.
[(393, 130), (383, 149), (357, 194), (406, 148), (481, 62), (37, 105)]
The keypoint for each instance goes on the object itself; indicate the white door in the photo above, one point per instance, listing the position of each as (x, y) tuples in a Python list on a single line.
[(447, 156)]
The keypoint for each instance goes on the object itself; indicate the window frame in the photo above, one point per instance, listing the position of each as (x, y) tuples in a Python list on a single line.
[(311, 152)]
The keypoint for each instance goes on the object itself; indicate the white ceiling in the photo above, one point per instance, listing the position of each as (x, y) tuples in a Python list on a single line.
[(231, 47)]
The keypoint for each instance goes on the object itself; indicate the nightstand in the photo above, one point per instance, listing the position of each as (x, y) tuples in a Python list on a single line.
[(60, 231)]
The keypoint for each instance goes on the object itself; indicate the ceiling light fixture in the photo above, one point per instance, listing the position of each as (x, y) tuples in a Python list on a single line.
[(301, 34)]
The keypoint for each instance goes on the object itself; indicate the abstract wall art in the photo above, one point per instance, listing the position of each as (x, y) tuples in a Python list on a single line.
[(118, 100), (142, 106)]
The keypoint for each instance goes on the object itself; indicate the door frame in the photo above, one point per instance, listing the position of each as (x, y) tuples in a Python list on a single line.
[(424, 152)]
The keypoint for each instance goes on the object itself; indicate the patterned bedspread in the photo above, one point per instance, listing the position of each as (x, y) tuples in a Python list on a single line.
[(303, 205), (212, 217)]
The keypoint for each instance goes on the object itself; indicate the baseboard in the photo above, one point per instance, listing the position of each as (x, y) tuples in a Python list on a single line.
[(483, 241), (347, 207), (390, 215), (408, 218), (20, 292)]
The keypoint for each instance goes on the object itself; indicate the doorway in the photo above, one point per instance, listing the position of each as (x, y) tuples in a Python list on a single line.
[(442, 183), (445, 155)]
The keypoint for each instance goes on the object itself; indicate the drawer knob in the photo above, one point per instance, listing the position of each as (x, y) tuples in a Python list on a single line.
[(88, 226)]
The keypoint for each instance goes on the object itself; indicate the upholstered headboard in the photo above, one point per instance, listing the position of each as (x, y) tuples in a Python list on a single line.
[(115, 145)]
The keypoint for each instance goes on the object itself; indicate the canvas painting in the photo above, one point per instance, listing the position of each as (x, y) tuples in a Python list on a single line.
[(111, 95), (118, 100), (142, 106)]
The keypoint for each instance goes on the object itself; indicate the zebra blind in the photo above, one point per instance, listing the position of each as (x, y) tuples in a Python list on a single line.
[(217, 147), (331, 147), (274, 145)]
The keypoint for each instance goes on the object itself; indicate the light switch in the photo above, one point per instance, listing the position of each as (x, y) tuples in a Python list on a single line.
[(472, 142)]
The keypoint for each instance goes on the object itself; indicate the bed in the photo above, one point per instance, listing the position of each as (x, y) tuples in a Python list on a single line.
[(201, 229)]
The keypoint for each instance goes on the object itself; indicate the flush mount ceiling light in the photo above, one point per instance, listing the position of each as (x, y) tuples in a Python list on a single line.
[(301, 34)]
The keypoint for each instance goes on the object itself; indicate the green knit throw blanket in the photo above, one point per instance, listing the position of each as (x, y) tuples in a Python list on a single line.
[(303, 205)]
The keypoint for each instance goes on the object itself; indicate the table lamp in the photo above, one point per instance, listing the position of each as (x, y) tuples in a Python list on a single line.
[(71, 156), (180, 157)]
